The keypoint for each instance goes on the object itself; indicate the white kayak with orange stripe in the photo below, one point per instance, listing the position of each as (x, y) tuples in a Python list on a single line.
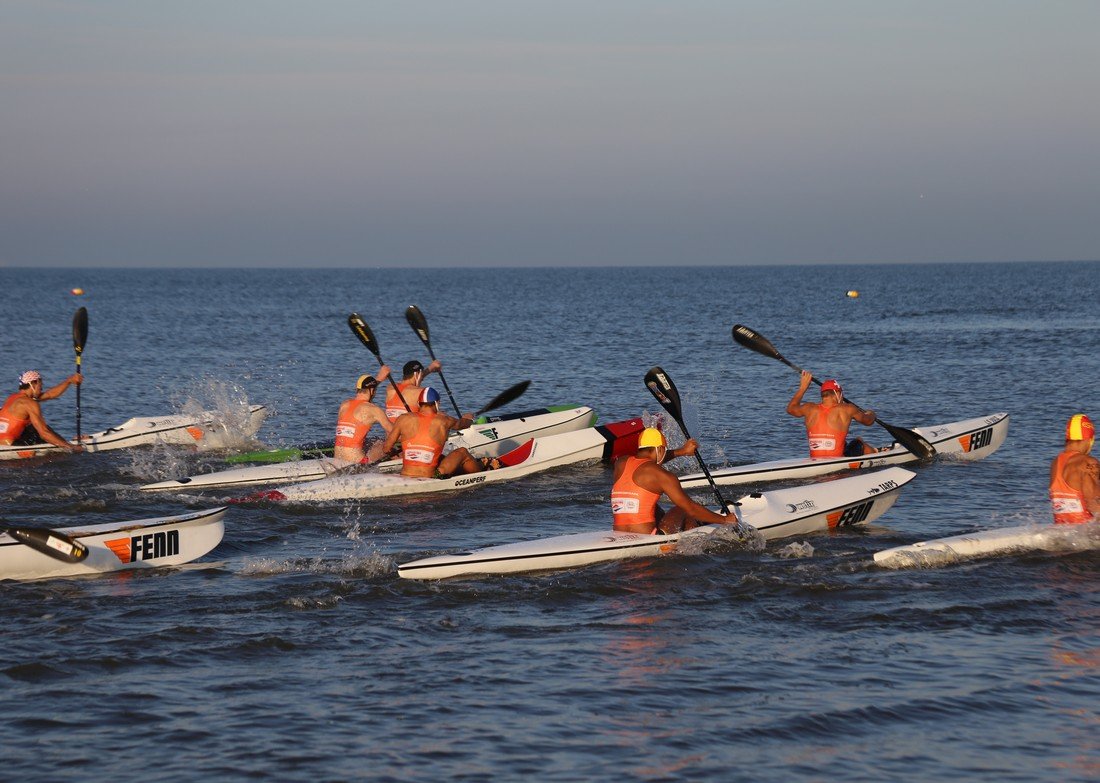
[(987, 543), (208, 429), (968, 440), (120, 546), (814, 508)]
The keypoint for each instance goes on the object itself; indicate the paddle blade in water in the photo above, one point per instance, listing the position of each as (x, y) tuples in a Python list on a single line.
[(49, 542), (363, 332), (80, 331), (418, 323)]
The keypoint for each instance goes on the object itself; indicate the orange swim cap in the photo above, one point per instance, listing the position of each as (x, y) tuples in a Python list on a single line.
[(1080, 427)]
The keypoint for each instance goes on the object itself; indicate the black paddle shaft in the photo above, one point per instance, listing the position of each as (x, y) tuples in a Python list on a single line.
[(80, 337), (419, 325), (49, 542), (754, 341), (664, 390), (359, 327)]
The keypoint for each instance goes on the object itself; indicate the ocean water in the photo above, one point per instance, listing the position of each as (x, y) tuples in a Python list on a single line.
[(294, 653)]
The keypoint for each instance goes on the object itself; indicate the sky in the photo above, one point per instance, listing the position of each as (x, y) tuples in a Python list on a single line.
[(406, 133)]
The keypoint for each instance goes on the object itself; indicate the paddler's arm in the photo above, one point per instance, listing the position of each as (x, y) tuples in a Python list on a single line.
[(463, 421), (59, 389), (391, 437), (670, 485), (794, 407), (688, 449), (1090, 486), (866, 418), (47, 433)]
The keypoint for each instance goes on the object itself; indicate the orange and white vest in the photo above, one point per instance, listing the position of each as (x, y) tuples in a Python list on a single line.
[(422, 449), (350, 432), (824, 440), (394, 405), (1067, 503), (630, 503), (11, 426)]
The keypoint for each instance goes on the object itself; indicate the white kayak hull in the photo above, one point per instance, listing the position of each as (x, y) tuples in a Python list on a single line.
[(969, 439), (797, 511), (120, 546), (206, 429), (593, 443), (988, 543), (487, 439)]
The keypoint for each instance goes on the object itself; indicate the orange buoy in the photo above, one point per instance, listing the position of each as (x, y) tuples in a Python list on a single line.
[(853, 294), (78, 292)]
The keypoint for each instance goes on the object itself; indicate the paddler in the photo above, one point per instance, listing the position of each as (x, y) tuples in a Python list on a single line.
[(356, 418), (412, 374), (827, 422), (21, 420), (423, 434), (1075, 475), (640, 481)]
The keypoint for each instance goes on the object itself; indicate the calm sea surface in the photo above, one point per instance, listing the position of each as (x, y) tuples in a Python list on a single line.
[(294, 653)]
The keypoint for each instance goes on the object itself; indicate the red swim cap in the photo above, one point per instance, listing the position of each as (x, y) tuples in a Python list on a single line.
[(1080, 427), (831, 385)]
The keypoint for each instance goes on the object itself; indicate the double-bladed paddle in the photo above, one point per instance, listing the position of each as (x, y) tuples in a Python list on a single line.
[(49, 542), (664, 390), (755, 341), (80, 336), (419, 325), (366, 337)]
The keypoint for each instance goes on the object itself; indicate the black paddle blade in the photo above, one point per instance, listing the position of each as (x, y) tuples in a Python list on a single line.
[(363, 332), (418, 323), (662, 387), (504, 397), (754, 341), (80, 330), (911, 441), (49, 542)]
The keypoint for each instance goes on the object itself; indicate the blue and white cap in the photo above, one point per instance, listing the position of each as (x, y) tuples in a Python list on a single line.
[(428, 395)]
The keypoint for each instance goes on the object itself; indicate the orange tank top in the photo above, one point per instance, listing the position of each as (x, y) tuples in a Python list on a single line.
[(824, 440), (631, 504), (422, 449), (11, 426), (394, 406), (350, 432), (1067, 503)]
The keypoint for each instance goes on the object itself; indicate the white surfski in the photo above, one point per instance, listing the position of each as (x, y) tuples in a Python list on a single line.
[(605, 442), (969, 439), (491, 438), (987, 543), (206, 429), (120, 546), (781, 513)]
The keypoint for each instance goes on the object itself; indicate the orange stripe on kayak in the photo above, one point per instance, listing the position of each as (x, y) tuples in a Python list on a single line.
[(121, 548)]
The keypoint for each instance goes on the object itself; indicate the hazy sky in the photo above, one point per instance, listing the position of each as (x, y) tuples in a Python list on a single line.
[(483, 132)]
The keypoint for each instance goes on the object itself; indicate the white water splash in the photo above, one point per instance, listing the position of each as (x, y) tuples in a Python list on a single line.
[(359, 565), (795, 549), (225, 411)]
